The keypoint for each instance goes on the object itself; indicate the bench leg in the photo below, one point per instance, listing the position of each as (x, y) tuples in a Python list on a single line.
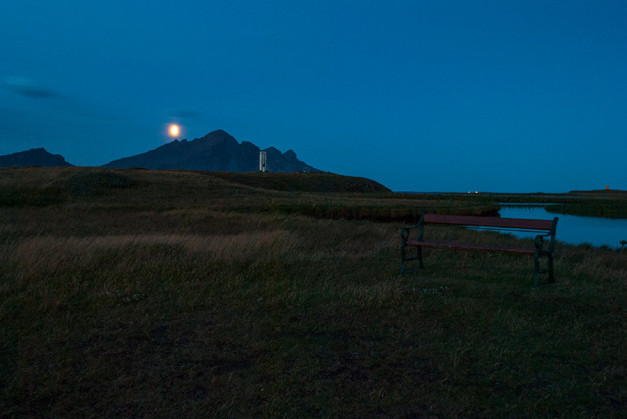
[(551, 277), (404, 257), (536, 269)]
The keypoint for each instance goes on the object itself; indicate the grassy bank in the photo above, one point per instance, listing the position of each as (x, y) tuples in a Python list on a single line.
[(614, 208), (603, 203), (187, 294)]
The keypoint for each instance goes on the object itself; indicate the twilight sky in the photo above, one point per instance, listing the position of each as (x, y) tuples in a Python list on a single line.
[(465, 95)]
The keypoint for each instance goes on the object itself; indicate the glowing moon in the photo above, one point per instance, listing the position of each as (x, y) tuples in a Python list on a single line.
[(174, 130)]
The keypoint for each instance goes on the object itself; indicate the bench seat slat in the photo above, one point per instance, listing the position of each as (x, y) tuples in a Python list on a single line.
[(471, 246), (477, 221)]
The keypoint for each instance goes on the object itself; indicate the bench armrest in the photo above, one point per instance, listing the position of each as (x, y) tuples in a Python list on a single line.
[(406, 231), (539, 240)]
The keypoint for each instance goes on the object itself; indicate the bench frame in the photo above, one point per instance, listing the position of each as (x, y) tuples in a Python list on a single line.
[(545, 228)]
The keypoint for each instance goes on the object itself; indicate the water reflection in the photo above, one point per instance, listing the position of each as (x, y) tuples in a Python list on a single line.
[(572, 229)]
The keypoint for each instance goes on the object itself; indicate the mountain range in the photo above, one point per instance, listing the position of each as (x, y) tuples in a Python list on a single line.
[(216, 151)]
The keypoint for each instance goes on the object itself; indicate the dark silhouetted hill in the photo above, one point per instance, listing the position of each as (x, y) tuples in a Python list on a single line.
[(304, 182), (216, 151), (34, 157)]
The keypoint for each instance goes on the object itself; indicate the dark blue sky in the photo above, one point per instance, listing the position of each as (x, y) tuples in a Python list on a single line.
[(520, 96)]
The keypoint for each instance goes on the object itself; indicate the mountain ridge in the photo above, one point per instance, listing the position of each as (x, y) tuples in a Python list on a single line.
[(34, 157), (216, 151)]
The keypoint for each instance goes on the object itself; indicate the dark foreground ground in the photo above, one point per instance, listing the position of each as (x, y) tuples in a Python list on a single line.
[(174, 293)]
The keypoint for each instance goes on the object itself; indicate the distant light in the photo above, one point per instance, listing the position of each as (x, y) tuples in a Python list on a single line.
[(174, 130)]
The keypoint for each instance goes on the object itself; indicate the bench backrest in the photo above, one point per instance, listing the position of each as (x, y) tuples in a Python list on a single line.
[(495, 222)]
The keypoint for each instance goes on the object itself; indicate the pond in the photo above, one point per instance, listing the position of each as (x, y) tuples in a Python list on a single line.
[(572, 229)]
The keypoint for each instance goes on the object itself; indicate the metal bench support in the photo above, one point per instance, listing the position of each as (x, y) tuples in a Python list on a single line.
[(542, 248)]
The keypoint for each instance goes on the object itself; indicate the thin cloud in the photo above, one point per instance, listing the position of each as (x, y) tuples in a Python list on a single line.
[(184, 113), (33, 89), (29, 88)]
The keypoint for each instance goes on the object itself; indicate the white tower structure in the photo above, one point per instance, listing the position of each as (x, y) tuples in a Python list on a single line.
[(262, 161)]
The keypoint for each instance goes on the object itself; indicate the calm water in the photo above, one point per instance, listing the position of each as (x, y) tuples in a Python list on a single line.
[(573, 229)]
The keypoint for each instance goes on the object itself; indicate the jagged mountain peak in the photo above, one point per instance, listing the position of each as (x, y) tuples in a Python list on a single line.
[(216, 151), (217, 136)]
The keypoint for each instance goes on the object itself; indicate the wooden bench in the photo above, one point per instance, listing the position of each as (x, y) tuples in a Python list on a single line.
[(542, 248)]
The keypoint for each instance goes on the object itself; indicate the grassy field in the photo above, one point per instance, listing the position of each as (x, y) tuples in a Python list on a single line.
[(143, 293)]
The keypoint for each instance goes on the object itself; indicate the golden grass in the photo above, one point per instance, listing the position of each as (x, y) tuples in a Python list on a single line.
[(59, 251)]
